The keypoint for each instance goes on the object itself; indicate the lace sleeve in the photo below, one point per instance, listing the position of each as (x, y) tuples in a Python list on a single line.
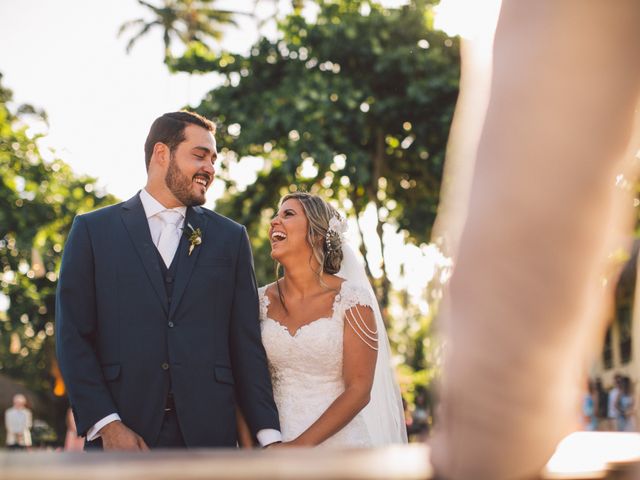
[(264, 302), (357, 310)]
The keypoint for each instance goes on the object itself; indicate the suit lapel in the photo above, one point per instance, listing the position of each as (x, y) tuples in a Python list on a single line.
[(137, 226), (196, 218)]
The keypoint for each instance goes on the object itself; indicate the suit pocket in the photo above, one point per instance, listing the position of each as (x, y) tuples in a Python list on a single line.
[(111, 372), (214, 262), (224, 375)]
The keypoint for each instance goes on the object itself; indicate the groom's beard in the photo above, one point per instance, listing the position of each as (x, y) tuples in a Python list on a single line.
[(181, 186)]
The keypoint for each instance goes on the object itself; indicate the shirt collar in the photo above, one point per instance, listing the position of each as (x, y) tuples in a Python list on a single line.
[(152, 206)]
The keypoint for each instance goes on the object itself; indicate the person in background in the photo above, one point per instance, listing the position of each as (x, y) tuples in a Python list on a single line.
[(420, 417), (18, 421), (612, 402), (601, 404), (625, 407), (589, 408)]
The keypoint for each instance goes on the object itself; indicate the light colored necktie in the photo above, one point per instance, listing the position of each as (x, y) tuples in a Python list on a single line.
[(170, 235)]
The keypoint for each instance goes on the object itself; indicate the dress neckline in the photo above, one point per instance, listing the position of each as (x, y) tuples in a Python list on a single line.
[(265, 301)]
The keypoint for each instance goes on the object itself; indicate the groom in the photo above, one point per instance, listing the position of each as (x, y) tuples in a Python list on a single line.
[(157, 310)]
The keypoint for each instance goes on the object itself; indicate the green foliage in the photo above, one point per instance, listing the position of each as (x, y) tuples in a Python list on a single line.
[(38, 200)]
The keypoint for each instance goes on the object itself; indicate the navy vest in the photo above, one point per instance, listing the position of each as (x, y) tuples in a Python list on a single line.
[(169, 274), (169, 278)]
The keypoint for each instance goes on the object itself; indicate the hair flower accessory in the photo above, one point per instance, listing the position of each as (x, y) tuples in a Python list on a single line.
[(335, 233), (338, 225)]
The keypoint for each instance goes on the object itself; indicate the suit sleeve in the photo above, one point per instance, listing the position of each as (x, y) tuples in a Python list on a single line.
[(249, 360), (76, 331)]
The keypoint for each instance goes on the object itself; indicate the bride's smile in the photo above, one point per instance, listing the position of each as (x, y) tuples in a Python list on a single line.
[(288, 232)]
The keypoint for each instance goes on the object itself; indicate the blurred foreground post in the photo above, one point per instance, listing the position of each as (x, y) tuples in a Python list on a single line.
[(550, 204)]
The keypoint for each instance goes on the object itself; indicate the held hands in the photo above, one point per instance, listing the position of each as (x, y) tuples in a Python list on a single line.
[(117, 436), (276, 445), (292, 443)]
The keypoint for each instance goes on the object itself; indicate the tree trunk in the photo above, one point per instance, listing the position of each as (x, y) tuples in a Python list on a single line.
[(363, 248), (384, 285)]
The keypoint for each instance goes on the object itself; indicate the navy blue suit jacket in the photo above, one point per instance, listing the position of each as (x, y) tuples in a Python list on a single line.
[(119, 345)]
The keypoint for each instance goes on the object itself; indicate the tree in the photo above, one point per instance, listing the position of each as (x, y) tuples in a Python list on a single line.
[(356, 105), (39, 200), (192, 22)]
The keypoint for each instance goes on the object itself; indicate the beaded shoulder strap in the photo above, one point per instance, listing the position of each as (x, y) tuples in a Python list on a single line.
[(352, 300)]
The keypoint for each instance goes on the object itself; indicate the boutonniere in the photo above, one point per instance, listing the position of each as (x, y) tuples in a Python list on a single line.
[(195, 238)]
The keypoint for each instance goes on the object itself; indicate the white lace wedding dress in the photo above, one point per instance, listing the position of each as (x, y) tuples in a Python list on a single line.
[(306, 368)]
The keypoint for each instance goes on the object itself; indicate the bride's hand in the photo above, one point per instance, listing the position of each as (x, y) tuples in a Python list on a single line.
[(275, 445), (283, 445)]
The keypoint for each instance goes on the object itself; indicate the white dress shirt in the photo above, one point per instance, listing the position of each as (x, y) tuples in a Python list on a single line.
[(151, 208)]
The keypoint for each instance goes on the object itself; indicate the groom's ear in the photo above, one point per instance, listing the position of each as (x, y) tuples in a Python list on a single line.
[(161, 154)]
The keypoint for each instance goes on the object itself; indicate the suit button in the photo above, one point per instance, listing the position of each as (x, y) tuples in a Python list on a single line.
[(169, 279), (170, 324), (165, 366)]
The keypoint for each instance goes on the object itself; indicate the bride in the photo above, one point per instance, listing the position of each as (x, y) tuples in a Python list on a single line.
[(324, 336)]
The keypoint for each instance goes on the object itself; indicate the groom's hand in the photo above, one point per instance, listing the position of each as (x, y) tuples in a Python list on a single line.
[(117, 436)]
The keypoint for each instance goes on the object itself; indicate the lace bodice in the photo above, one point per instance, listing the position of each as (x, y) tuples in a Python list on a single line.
[(306, 367)]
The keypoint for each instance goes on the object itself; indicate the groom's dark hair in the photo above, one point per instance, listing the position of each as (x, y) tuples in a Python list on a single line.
[(169, 129)]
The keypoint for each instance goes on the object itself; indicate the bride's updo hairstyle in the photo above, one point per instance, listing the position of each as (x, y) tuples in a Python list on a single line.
[(326, 245)]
